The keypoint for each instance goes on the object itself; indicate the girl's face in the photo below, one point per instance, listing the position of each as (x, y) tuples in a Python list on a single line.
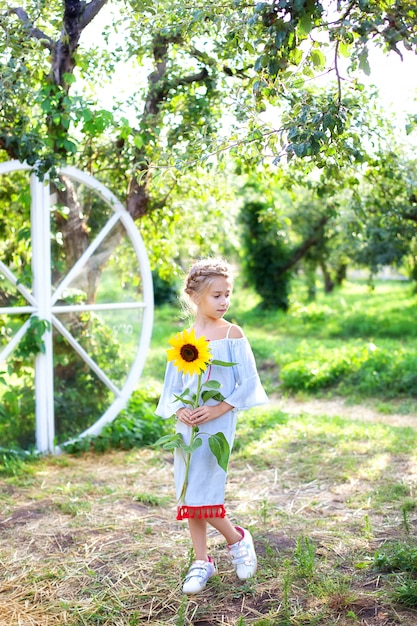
[(215, 301)]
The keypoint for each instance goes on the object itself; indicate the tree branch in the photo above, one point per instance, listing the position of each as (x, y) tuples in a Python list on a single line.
[(336, 67), (192, 78), (32, 31), (90, 11), (208, 60), (312, 240)]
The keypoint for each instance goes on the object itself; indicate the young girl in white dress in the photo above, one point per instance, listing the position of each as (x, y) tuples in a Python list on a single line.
[(209, 287)]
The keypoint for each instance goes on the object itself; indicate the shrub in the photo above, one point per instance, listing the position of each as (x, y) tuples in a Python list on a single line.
[(364, 370), (266, 255), (389, 373), (165, 290), (137, 426), (327, 368)]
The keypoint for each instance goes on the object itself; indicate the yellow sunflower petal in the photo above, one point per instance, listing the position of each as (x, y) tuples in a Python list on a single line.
[(190, 355)]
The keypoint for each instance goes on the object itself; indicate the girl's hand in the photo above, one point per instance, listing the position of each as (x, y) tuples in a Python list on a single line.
[(206, 413), (203, 414), (184, 415)]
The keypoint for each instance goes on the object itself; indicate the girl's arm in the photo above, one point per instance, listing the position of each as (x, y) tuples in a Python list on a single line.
[(248, 391), (168, 405)]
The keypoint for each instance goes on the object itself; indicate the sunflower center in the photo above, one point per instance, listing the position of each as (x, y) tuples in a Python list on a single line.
[(189, 352)]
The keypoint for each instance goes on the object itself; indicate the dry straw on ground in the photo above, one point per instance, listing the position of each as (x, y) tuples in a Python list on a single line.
[(93, 540)]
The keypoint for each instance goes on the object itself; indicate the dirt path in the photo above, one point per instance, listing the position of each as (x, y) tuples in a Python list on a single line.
[(339, 408)]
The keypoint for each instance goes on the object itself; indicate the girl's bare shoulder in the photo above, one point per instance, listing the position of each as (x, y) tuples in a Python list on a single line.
[(235, 332)]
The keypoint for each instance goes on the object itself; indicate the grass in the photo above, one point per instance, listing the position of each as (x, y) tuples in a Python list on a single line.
[(91, 539), (356, 343)]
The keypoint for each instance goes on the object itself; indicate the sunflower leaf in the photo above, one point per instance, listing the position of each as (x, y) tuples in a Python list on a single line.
[(184, 393), (185, 400), (170, 442), (197, 443), (212, 393), (222, 363), (220, 448), (212, 384)]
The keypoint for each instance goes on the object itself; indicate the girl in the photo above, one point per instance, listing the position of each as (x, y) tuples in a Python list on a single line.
[(209, 287)]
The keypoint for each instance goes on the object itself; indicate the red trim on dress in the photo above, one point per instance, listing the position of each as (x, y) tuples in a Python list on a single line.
[(201, 512)]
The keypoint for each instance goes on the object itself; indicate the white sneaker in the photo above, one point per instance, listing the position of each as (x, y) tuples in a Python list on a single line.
[(198, 575), (243, 555)]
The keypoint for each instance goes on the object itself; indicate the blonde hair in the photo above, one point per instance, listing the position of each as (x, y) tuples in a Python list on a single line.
[(202, 275)]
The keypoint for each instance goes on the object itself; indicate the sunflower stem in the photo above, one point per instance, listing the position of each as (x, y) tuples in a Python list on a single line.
[(194, 431)]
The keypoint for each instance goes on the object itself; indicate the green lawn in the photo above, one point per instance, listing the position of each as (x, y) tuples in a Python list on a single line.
[(356, 342), (91, 539)]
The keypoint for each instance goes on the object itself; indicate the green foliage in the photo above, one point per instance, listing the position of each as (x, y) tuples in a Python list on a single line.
[(32, 342), (16, 462), (17, 421), (366, 370), (80, 397), (135, 427), (400, 558), (305, 557), (164, 289), (164, 146), (285, 26), (405, 592), (386, 211), (396, 557), (265, 255), (326, 369), (219, 447)]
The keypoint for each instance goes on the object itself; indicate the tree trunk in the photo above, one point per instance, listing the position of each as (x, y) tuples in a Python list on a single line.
[(328, 282), (341, 273)]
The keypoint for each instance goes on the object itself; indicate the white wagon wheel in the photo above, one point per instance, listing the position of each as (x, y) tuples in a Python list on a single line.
[(42, 301)]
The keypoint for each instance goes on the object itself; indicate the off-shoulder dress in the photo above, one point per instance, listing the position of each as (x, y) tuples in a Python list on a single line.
[(242, 389)]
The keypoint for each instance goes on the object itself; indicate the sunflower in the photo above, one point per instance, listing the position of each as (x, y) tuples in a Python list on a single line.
[(190, 355)]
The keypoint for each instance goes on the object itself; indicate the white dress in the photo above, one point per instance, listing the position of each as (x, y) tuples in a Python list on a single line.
[(241, 389)]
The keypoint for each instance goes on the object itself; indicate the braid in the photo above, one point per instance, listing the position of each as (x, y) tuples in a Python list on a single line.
[(204, 272)]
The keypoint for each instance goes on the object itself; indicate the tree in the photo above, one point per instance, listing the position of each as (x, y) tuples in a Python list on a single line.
[(164, 150), (332, 216), (200, 63), (273, 246), (386, 213), (265, 255), (296, 39)]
